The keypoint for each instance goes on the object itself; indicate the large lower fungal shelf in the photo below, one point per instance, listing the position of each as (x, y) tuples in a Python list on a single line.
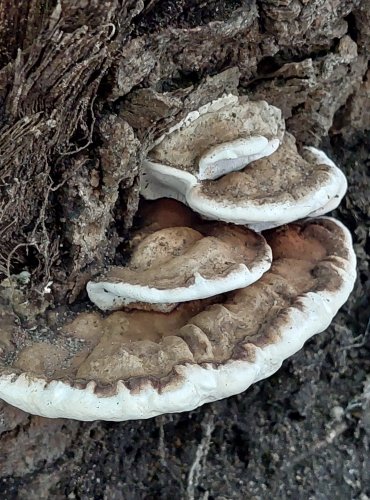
[(138, 364)]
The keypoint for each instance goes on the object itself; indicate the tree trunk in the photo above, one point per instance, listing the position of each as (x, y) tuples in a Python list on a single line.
[(85, 86)]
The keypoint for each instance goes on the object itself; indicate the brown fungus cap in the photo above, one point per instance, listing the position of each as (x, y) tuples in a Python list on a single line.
[(172, 263), (220, 137), (272, 191), (139, 364)]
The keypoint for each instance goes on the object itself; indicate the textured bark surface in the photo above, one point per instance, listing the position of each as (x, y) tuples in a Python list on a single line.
[(85, 86)]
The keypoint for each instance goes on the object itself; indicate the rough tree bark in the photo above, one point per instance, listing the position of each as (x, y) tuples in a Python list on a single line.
[(85, 86)]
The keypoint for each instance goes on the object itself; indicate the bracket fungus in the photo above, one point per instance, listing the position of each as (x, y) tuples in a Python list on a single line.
[(221, 137), (264, 190), (138, 364), (171, 264), (206, 308), (273, 191)]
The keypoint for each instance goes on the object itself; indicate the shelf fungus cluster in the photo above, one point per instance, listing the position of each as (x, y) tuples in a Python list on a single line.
[(244, 168), (231, 270)]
